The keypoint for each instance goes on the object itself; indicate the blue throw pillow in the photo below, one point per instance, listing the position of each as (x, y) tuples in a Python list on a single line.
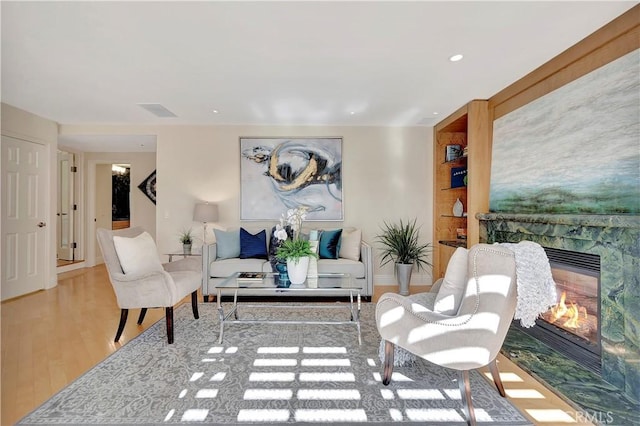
[(253, 246), (329, 246), (227, 244)]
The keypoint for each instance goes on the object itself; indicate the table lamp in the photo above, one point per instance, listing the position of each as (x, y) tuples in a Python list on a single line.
[(205, 212)]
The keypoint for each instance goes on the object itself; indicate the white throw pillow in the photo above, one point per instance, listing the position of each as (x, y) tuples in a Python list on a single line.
[(137, 255), (350, 244), (455, 281)]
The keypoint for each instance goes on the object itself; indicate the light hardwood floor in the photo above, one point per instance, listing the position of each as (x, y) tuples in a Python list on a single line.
[(51, 337)]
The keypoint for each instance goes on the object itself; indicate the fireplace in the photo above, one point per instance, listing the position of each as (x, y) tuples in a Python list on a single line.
[(572, 325), (615, 241)]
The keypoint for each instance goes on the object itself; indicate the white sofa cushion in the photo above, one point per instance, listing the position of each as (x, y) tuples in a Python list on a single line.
[(225, 267), (341, 266), (455, 280), (137, 255)]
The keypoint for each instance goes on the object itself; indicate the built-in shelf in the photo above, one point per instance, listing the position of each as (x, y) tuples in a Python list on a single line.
[(453, 243), (451, 189), (450, 215), (457, 160)]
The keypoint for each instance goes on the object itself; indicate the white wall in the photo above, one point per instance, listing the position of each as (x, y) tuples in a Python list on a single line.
[(21, 124), (387, 175)]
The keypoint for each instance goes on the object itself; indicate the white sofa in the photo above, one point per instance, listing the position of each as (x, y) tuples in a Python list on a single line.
[(215, 270)]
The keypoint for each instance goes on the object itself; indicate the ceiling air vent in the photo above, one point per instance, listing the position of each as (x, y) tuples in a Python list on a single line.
[(158, 110)]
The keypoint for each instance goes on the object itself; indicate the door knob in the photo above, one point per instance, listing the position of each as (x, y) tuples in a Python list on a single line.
[(41, 224)]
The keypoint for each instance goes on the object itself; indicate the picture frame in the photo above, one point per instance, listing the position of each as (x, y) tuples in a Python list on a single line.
[(452, 152), (148, 187), (281, 173)]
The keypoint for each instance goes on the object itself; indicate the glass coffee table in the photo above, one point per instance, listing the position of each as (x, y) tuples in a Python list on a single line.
[(268, 285)]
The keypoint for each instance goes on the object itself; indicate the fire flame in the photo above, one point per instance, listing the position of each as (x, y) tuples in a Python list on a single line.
[(572, 313)]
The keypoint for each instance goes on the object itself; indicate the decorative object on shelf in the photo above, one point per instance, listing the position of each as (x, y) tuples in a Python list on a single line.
[(186, 238), (458, 208), (295, 251), (452, 152), (205, 212), (290, 172), (458, 175), (400, 245), (461, 233), (148, 186)]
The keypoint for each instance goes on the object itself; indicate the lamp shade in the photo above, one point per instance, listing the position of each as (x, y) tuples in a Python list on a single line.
[(205, 212)]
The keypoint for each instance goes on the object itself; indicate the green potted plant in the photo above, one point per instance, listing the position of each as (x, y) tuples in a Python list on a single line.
[(400, 244), (186, 238), (296, 253)]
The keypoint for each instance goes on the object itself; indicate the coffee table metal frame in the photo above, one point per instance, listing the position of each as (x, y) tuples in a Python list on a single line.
[(268, 287)]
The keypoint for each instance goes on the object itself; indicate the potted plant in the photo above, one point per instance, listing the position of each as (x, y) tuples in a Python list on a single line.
[(296, 252), (400, 244), (186, 238)]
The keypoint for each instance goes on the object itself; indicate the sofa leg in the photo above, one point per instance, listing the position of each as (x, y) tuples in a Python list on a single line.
[(169, 318), (194, 304), (493, 367), (123, 320), (143, 312), (465, 393), (389, 349)]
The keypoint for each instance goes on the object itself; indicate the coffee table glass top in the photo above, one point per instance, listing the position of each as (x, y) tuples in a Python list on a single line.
[(271, 280)]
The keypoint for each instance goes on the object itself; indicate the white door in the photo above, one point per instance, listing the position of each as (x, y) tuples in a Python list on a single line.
[(65, 218), (24, 179)]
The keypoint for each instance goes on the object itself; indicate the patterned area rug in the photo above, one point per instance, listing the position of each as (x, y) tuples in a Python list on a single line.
[(265, 373)]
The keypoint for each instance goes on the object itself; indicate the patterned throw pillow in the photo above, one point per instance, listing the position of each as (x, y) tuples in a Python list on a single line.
[(253, 246), (274, 243)]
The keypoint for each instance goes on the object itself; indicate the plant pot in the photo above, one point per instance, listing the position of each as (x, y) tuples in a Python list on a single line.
[(297, 269), (403, 275), (186, 248)]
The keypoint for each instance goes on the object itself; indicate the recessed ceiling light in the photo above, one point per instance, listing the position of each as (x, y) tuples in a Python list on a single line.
[(215, 111), (456, 58), (352, 112), (436, 113)]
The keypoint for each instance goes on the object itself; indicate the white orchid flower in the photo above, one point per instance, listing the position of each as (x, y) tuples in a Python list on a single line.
[(280, 233)]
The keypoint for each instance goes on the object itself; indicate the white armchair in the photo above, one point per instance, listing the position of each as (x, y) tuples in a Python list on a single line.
[(150, 286), (462, 323)]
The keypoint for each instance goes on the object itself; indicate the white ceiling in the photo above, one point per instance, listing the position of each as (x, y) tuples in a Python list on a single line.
[(278, 63)]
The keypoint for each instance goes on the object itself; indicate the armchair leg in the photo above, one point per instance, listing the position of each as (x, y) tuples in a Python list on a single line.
[(123, 320), (143, 312), (493, 367), (194, 304), (389, 349), (169, 318), (465, 392)]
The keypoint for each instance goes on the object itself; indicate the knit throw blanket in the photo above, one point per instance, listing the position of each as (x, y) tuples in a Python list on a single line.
[(536, 288)]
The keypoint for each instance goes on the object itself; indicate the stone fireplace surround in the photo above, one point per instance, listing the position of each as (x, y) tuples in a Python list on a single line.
[(616, 239)]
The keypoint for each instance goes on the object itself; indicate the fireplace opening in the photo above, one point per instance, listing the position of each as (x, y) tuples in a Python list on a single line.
[(572, 326)]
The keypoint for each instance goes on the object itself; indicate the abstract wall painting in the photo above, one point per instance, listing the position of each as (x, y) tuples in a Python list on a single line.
[(148, 187), (575, 150), (277, 174)]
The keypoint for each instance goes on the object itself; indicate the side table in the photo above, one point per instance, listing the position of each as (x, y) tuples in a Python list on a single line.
[(184, 256)]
